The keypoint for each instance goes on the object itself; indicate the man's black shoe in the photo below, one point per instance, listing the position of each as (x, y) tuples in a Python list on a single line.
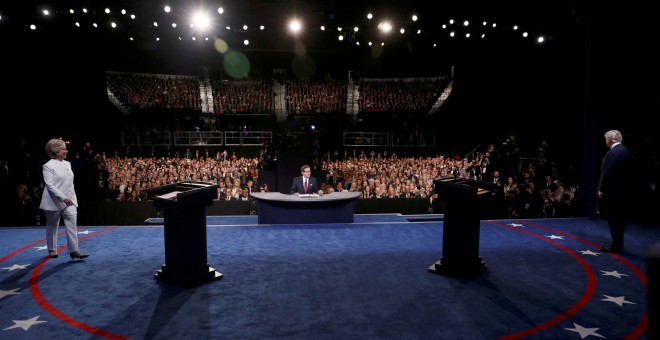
[(606, 249)]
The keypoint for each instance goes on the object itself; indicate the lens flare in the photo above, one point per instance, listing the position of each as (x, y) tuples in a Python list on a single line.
[(220, 45), (236, 64)]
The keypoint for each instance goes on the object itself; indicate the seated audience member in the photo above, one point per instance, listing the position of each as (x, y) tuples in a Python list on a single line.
[(23, 209), (228, 196), (245, 194)]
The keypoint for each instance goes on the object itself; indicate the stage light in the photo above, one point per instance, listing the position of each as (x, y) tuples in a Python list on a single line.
[(295, 26)]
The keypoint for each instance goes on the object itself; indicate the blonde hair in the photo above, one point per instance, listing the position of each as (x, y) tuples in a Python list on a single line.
[(54, 146), (614, 135)]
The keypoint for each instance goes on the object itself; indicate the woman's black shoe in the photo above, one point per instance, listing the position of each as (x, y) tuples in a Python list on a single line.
[(77, 255), (53, 255)]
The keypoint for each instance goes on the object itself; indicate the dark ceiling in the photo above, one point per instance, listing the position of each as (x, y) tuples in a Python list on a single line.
[(138, 44), (596, 57)]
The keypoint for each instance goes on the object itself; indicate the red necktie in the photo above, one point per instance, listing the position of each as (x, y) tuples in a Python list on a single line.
[(305, 186)]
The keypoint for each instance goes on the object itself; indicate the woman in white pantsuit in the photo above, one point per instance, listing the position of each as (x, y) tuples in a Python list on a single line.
[(59, 199)]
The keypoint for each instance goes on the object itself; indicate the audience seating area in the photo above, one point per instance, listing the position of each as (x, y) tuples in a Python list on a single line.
[(365, 162), (114, 187), (155, 91)]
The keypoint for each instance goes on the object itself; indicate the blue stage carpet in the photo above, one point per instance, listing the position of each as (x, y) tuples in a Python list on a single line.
[(545, 279)]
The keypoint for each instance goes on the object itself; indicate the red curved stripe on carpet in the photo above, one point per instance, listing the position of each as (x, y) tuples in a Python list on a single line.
[(3, 259), (41, 300), (588, 293), (640, 328)]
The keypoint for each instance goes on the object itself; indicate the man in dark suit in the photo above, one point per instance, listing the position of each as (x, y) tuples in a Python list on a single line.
[(615, 172), (227, 195), (498, 183), (304, 184)]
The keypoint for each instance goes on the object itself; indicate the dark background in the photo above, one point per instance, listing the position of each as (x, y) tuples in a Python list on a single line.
[(597, 71)]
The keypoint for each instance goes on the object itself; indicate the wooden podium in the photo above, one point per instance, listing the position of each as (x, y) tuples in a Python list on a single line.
[(184, 211), (460, 241)]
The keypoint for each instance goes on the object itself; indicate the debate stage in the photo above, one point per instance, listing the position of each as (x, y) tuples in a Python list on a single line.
[(363, 280)]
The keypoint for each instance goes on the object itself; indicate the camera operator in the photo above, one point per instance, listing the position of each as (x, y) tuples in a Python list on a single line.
[(510, 148), (510, 156)]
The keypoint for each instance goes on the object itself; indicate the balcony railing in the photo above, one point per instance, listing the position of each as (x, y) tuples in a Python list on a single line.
[(190, 138), (388, 139), (254, 138)]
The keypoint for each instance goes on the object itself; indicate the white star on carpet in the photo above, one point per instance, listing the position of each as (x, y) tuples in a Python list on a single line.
[(555, 237), (588, 252), (86, 232), (41, 248), (516, 225), (584, 332), (25, 324), (16, 266), (613, 273), (4, 293), (619, 300)]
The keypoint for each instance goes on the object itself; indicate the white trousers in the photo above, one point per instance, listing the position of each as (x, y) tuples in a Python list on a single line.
[(70, 216)]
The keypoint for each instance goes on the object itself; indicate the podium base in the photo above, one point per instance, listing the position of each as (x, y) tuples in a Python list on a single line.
[(187, 280), (463, 269)]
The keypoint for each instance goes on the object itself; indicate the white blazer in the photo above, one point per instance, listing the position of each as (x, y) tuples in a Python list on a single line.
[(58, 178)]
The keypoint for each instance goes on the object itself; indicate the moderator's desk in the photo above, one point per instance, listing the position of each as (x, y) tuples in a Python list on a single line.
[(278, 208)]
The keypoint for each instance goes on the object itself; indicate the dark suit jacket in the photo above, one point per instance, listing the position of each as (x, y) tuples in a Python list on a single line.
[(223, 197), (615, 172), (298, 187)]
